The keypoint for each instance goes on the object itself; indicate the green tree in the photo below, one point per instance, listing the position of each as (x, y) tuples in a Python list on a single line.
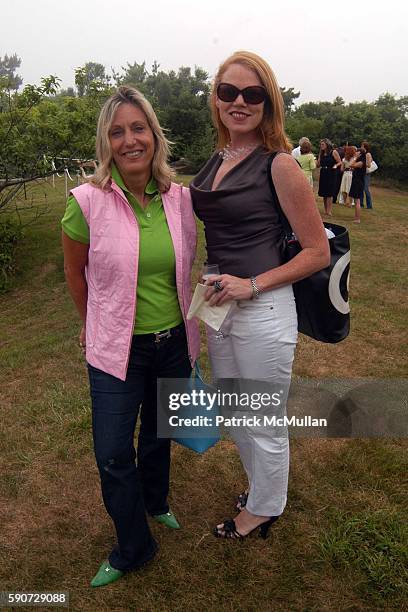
[(21, 161), (289, 96), (17, 154), (69, 91), (298, 126), (91, 76), (133, 74), (8, 77), (20, 164)]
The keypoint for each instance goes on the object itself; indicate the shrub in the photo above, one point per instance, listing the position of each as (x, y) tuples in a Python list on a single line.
[(10, 233)]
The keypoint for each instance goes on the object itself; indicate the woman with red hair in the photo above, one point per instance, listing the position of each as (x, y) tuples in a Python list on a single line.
[(238, 195)]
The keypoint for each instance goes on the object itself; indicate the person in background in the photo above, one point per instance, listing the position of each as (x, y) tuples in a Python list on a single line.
[(339, 175), (358, 166), (354, 155), (296, 151), (233, 196), (129, 238), (349, 153), (307, 160), (328, 162), (366, 148)]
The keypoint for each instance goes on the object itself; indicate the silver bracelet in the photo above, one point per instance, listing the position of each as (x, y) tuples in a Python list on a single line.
[(255, 291)]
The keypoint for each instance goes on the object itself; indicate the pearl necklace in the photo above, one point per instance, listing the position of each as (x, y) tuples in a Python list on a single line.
[(229, 152)]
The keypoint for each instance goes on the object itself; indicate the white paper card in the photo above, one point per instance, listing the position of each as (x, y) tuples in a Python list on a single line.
[(212, 315)]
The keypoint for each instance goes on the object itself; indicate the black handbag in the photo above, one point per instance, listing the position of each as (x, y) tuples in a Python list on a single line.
[(322, 299)]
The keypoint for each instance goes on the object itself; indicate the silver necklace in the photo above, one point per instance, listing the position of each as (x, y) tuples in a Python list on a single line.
[(229, 152)]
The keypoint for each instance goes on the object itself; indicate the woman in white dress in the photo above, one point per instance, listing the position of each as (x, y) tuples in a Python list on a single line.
[(349, 155)]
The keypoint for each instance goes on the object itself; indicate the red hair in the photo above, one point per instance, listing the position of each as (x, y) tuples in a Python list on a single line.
[(348, 153), (272, 125)]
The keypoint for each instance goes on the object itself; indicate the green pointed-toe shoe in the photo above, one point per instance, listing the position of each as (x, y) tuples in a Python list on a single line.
[(167, 519), (105, 575)]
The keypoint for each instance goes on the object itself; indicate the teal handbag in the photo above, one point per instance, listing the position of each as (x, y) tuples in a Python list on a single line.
[(201, 441)]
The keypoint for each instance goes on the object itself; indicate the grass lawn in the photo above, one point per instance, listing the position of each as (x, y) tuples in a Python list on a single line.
[(342, 543)]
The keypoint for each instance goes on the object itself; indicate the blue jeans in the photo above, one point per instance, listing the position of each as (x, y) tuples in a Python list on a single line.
[(129, 489), (367, 193)]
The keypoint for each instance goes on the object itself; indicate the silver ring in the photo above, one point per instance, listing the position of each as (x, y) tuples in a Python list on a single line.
[(217, 285)]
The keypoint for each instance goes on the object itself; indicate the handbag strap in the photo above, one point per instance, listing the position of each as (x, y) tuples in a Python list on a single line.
[(198, 370), (282, 217)]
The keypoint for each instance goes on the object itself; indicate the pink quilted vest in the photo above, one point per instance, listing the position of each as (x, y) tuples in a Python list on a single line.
[(113, 265)]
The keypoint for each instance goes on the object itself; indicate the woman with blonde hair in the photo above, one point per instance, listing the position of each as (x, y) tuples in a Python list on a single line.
[(349, 153), (129, 239), (237, 195)]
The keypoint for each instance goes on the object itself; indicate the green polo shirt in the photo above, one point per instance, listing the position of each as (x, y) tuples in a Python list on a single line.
[(157, 302)]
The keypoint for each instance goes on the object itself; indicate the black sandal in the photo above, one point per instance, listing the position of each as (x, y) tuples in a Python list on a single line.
[(242, 500), (228, 530)]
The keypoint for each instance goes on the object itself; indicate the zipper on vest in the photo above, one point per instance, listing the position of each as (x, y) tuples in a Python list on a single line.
[(184, 316), (124, 199)]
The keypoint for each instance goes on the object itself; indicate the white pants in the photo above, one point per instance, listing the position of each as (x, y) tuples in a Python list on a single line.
[(258, 342)]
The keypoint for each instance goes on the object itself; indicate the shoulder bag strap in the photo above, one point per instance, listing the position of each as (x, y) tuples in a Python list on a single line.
[(198, 370), (282, 217)]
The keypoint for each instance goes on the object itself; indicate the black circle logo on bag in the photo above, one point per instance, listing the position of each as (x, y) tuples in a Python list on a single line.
[(336, 275)]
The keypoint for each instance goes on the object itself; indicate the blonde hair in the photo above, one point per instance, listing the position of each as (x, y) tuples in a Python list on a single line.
[(161, 170), (272, 124)]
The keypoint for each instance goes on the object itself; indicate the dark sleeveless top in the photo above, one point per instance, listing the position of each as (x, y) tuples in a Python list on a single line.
[(357, 183), (327, 161), (243, 233), (327, 177)]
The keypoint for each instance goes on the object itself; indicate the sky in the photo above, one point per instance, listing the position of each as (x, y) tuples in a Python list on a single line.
[(324, 49)]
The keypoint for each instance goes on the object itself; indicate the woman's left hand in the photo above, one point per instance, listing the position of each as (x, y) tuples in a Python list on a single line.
[(82, 339), (232, 288)]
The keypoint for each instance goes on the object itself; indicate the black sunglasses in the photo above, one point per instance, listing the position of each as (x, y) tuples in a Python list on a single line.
[(255, 94)]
